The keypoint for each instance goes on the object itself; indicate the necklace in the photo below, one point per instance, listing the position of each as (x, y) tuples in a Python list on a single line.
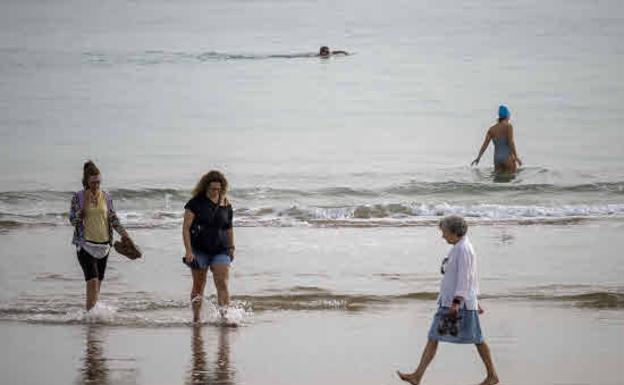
[(93, 198)]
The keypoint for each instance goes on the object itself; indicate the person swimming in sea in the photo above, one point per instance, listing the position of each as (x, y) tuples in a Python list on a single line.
[(324, 52), (505, 155)]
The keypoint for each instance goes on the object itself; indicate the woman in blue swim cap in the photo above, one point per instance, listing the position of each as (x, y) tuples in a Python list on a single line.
[(505, 155)]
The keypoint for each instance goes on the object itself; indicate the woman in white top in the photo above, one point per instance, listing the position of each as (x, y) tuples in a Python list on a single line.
[(457, 318)]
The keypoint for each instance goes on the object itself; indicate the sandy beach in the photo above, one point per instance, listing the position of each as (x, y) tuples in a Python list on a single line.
[(569, 346), (313, 321)]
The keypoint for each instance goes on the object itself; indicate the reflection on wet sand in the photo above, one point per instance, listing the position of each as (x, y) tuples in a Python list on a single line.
[(220, 372), (94, 369)]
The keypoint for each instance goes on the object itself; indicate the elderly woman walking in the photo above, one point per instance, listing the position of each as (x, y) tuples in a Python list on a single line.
[(457, 318)]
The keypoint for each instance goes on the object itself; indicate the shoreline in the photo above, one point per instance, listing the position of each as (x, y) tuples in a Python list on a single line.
[(533, 341), (530, 344)]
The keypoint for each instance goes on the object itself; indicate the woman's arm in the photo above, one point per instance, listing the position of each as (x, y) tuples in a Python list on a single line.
[(512, 145), (186, 235), (484, 146), (75, 213), (462, 285), (230, 233), (230, 247)]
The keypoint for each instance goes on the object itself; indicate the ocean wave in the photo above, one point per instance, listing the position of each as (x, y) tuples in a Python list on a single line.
[(374, 215), (115, 314), (138, 310), (155, 57), (412, 188), (411, 204), (594, 300), (418, 214), (8, 225), (470, 188), (582, 296)]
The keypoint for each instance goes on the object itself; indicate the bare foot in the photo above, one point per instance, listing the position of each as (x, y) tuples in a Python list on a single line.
[(413, 378), (490, 380)]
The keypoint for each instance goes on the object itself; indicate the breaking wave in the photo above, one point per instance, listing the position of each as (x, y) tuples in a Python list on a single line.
[(140, 311), (411, 204)]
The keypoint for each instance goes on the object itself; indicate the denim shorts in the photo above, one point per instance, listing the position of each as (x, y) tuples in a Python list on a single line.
[(203, 261)]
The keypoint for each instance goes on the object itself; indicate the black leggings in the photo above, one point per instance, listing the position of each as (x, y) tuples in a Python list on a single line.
[(92, 267)]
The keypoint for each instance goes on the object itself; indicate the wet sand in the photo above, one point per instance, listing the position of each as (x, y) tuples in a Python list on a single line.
[(531, 344), (552, 295)]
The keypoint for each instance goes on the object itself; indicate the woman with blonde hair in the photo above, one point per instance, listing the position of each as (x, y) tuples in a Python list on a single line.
[(209, 238), (94, 219)]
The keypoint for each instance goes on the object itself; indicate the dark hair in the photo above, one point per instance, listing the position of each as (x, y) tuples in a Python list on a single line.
[(206, 179), (455, 224), (88, 170)]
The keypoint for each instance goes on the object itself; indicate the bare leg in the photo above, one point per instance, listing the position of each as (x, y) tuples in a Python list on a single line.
[(93, 290), (484, 352), (197, 293), (509, 166), (221, 276), (425, 360)]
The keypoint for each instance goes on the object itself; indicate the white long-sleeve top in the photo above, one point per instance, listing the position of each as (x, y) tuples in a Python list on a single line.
[(461, 278)]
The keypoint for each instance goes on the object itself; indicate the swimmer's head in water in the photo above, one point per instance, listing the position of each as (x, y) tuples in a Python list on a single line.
[(503, 112), (324, 51)]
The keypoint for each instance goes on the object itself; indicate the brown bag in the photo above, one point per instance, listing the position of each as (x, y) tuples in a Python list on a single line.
[(127, 248)]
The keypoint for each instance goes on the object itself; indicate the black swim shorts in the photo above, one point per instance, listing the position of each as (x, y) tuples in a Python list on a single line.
[(92, 267)]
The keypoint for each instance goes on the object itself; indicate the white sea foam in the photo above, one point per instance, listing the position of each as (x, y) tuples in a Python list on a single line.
[(489, 211), (262, 207), (102, 312), (236, 314)]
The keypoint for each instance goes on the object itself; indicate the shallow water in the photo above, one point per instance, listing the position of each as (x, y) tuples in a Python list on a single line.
[(339, 171), (322, 269), (170, 90)]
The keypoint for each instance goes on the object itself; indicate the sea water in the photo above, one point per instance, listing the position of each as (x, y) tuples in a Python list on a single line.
[(339, 168)]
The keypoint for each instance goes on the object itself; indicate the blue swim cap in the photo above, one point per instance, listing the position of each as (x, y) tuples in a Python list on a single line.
[(503, 112)]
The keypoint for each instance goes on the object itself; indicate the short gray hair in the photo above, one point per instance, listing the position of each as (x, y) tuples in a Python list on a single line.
[(455, 224)]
